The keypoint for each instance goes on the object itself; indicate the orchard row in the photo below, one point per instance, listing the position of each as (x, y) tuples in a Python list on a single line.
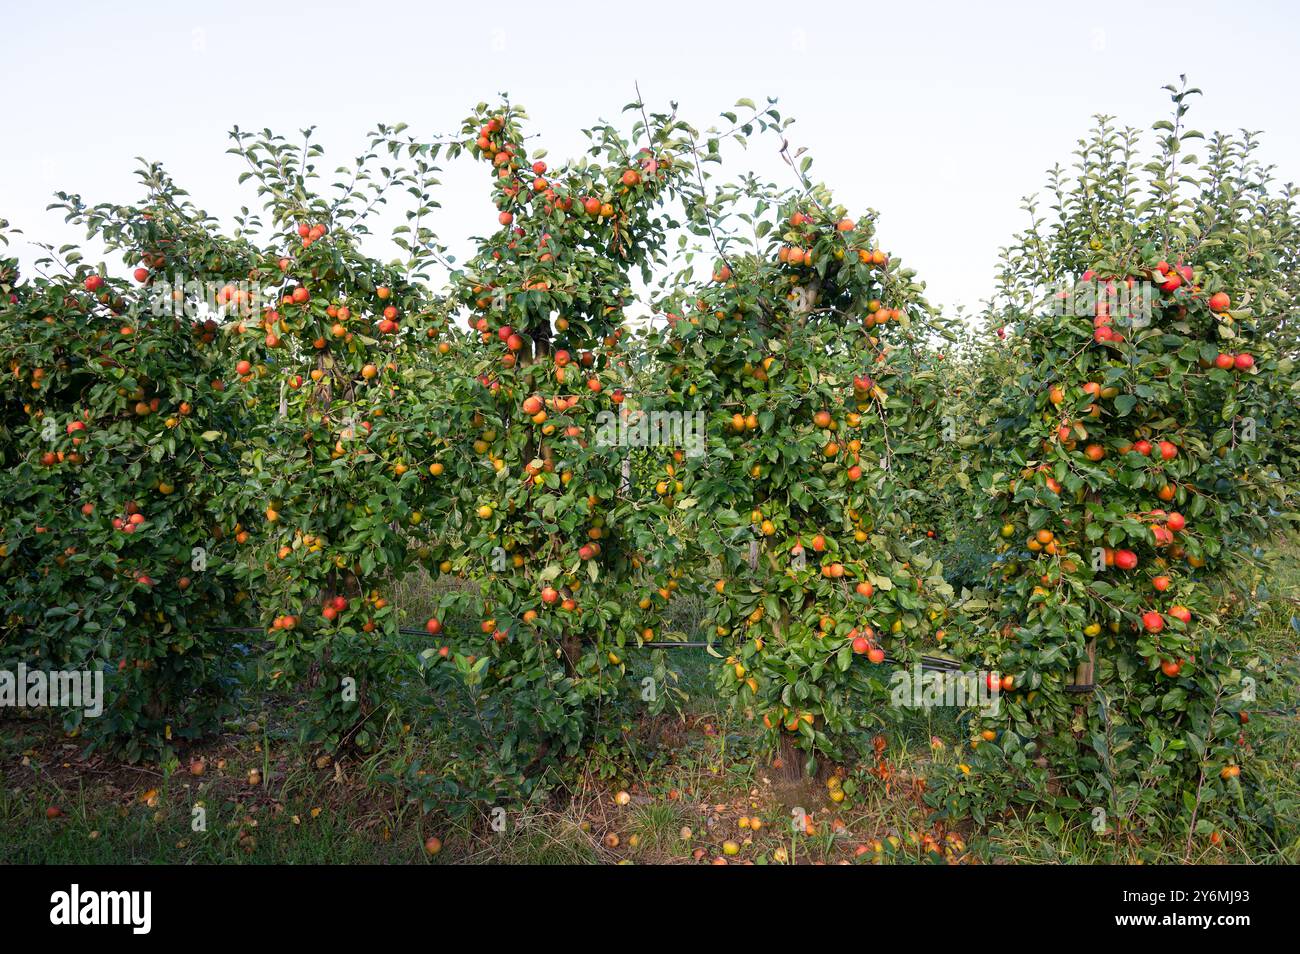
[(282, 462)]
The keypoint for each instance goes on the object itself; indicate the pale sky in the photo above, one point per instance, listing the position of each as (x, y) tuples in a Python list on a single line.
[(940, 115)]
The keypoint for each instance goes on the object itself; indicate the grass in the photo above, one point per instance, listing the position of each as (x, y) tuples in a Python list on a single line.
[(695, 778)]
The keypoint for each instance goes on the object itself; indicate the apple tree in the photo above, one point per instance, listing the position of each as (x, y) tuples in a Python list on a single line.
[(336, 367), (812, 352), (1132, 471), (114, 490)]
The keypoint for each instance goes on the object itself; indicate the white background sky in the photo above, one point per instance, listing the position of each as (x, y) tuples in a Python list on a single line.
[(940, 115)]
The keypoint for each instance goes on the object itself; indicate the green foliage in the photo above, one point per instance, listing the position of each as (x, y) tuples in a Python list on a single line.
[(298, 425), (1130, 477), (112, 554), (810, 357)]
